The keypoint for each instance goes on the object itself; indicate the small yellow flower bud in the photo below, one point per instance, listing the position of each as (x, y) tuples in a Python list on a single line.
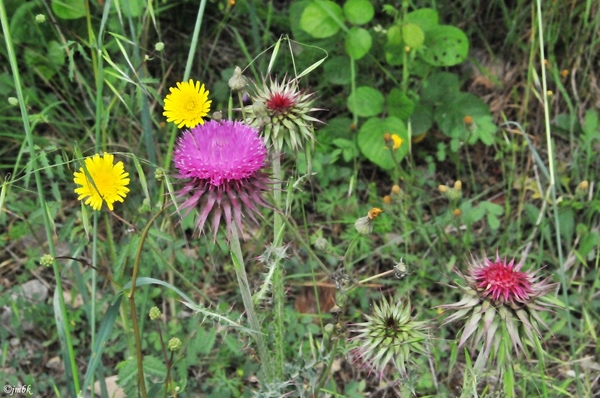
[(46, 260), (458, 185), (155, 313), (387, 199), (549, 93), (387, 137), (443, 188), (174, 344), (468, 120), (159, 174), (564, 72), (396, 189), (374, 213), (582, 188), (457, 213), (407, 49)]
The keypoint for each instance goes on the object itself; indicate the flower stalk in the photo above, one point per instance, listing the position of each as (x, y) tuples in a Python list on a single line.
[(278, 283), (242, 278)]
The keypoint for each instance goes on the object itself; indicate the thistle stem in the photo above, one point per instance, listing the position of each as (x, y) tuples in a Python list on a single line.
[(242, 278), (278, 289)]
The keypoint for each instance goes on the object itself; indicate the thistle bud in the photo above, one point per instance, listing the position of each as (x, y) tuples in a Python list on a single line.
[(237, 82)]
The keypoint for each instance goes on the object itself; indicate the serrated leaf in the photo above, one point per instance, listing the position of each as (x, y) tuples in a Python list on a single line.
[(359, 12), (322, 19), (366, 101), (445, 46), (372, 145)]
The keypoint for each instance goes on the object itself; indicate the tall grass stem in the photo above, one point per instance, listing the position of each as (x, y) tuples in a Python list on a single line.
[(69, 355), (562, 273)]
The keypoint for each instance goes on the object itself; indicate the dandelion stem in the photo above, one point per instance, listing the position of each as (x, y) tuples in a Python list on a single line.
[(242, 278), (131, 296)]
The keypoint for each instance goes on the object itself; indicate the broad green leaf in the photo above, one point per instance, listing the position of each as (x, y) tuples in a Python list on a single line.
[(359, 12), (466, 118), (445, 46), (399, 104), (413, 35), (69, 9), (372, 145), (439, 88), (421, 119), (358, 42), (492, 208), (47, 64), (394, 53), (337, 70), (394, 35), (322, 19), (366, 102), (425, 18)]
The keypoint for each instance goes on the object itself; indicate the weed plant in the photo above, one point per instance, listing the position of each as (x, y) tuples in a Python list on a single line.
[(309, 198)]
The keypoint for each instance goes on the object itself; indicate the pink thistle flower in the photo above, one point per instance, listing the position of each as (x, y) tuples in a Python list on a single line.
[(499, 288), (222, 162)]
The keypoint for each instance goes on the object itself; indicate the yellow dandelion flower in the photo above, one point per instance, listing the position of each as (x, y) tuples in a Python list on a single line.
[(108, 181), (187, 104)]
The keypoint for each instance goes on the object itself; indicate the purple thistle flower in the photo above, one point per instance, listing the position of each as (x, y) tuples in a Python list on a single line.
[(222, 162)]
